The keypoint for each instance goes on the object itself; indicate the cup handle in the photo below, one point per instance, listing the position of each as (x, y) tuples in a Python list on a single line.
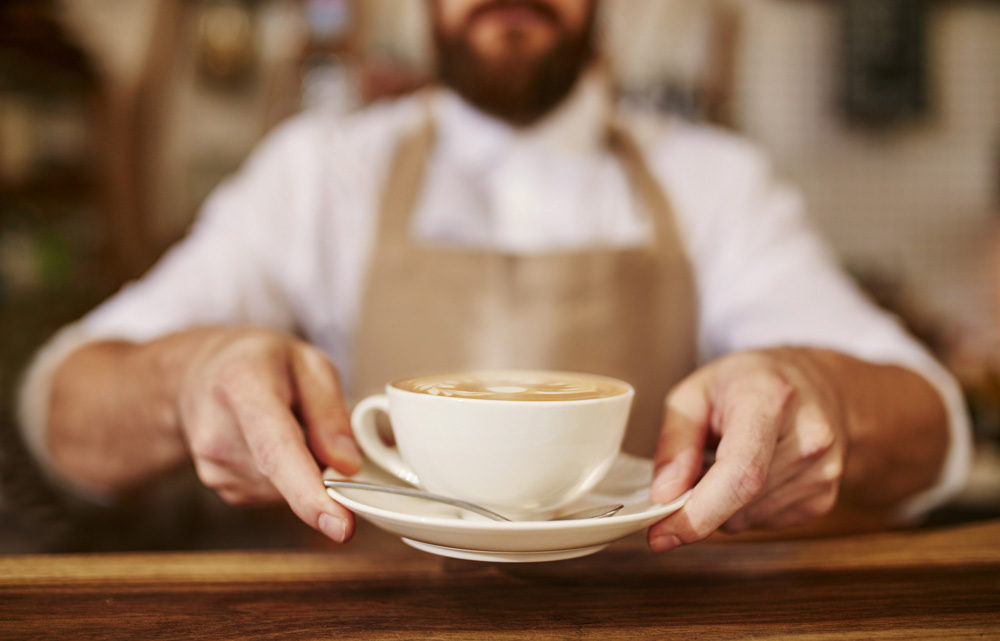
[(366, 434)]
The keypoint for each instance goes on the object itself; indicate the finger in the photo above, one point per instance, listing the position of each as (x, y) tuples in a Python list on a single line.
[(219, 450), (776, 502), (750, 423), (322, 403), (804, 511), (678, 457), (797, 469), (220, 454), (807, 438), (278, 448), (236, 486), (767, 512), (819, 478)]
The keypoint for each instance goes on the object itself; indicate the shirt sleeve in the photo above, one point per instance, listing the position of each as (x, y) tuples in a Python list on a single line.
[(223, 272), (766, 279), (226, 271)]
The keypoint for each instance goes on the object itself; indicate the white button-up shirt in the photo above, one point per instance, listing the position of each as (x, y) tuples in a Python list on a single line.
[(285, 243)]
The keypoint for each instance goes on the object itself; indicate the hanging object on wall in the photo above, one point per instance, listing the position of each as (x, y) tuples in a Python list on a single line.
[(328, 70), (884, 66), (224, 47), (329, 20)]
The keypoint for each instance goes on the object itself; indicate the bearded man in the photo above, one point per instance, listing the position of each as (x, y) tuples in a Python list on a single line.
[(513, 216)]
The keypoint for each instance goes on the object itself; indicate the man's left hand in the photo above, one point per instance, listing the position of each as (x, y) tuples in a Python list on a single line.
[(781, 430)]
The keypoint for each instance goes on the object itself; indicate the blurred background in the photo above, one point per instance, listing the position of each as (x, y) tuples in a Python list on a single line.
[(117, 117)]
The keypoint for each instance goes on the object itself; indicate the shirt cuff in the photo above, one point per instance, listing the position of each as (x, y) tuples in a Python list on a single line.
[(33, 407), (958, 459)]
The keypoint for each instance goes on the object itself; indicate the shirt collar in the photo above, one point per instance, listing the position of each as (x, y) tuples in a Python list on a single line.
[(575, 126)]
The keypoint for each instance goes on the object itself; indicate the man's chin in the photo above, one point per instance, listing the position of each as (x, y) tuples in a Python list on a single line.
[(509, 62), (517, 81)]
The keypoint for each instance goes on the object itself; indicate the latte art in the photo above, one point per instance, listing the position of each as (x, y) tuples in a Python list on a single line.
[(515, 385)]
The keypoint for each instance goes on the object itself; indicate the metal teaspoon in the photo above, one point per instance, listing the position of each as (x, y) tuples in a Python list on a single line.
[(589, 513)]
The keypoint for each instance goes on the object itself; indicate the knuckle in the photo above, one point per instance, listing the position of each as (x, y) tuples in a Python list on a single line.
[(781, 390), (209, 476), (749, 482), (323, 361), (213, 448), (222, 390), (751, 360), (256, 340), (767, 384), (265, 455), (832, 471), (679, 391), (198, 444), (817, 441), (208, 479), (274, 350), (227, 383), (243, 372)]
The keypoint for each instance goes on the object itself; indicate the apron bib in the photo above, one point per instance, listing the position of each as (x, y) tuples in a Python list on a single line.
[(627, 313)]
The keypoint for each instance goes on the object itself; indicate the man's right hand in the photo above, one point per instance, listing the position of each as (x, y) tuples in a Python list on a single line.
[(255, 409), (238, 402)]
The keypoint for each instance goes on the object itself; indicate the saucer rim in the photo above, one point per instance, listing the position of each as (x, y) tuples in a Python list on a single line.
[(664, 510)]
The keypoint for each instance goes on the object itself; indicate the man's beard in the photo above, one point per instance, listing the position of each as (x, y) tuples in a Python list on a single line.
[(519, 90)]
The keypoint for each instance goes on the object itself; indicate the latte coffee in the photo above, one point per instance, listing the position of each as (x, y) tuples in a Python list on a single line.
[(516, 385)]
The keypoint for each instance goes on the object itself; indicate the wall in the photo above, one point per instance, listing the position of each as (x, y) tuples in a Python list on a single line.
[(917, 203)]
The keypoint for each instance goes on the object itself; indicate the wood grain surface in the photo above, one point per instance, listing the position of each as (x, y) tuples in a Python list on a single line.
[(927, 584)]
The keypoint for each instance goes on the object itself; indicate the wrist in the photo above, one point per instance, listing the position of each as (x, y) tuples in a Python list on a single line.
[(895, 425)]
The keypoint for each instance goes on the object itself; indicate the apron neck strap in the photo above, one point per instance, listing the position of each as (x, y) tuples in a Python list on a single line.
[(643, 182), (407, 172)]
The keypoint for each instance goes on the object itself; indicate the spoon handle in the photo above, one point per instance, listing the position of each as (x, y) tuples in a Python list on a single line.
[(402, 491)]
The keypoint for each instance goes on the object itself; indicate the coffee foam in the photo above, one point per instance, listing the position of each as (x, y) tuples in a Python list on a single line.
[(515, 385)]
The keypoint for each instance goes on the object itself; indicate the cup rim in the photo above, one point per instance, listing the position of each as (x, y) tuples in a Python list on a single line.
[(629, 390)]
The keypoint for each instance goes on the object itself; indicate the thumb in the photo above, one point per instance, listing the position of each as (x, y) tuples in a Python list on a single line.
[(678, 458)]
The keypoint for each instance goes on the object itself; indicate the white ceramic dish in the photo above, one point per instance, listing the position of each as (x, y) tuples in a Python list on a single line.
[(448, 531)]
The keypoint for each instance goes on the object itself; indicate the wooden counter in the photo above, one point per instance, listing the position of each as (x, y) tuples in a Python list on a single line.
[(920, 584)]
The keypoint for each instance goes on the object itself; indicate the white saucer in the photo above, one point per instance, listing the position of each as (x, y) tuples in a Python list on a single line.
[(504, 557), (447, 531)]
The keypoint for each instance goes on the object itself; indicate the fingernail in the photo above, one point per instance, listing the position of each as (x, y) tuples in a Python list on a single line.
[(664, 543), (333, 527), (662, 482), (346, 450)]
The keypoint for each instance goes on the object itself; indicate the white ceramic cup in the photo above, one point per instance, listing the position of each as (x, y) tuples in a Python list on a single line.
[(520, 458)]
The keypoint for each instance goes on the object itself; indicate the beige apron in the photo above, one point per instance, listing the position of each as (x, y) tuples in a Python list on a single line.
[(627, 313)]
